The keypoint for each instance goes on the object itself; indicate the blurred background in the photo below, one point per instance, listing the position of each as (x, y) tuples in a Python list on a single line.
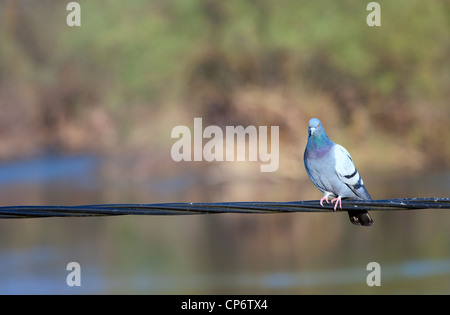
[(86, 115)]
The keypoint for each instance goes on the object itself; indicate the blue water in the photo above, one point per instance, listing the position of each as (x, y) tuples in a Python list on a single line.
[(39, 170), (22, 277), (230, 254)]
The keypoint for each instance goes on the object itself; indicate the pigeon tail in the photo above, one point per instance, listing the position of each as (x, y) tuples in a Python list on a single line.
[(360, 217)]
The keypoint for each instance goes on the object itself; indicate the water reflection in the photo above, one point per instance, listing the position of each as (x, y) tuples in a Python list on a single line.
[(80, 169), (38, 270), (223, 253)]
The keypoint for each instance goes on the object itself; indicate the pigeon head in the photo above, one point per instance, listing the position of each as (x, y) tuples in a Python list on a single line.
[(315, 127), (318, 141)]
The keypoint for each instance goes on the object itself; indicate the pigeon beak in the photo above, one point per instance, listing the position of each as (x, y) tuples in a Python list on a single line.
[(311, 130)]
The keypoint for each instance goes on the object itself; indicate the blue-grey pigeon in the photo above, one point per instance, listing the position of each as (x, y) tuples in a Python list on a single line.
[(331, 169)]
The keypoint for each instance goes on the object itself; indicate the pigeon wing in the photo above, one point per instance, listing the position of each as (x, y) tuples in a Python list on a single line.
[(347, 173)]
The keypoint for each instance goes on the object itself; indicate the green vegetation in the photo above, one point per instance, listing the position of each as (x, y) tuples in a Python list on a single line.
[(149, 65)]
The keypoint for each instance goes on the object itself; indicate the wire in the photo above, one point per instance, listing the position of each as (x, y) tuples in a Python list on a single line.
[(20, 212)]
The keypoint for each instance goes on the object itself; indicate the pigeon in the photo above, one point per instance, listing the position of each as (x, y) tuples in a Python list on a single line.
[(330, 167)]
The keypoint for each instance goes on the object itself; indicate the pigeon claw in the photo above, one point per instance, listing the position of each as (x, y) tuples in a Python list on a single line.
[(324, 198), (338, 201)]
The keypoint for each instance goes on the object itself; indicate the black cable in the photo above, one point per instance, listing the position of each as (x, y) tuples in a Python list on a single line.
[(19, 212)]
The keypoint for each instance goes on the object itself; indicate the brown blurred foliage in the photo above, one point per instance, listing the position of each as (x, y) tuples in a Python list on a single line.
[(136, 69)]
